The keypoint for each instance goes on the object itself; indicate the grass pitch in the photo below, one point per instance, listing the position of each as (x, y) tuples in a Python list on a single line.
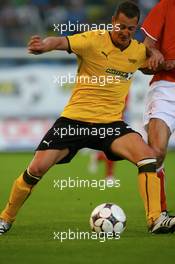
[(49, 210)]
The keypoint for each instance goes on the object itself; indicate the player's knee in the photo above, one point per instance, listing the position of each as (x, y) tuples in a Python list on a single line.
[(30, 178), (38, 170)]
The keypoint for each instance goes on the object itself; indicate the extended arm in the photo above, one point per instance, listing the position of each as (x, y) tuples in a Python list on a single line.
[(37, 45)]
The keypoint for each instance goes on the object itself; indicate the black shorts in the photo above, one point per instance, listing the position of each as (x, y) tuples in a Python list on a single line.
[(75, 135)]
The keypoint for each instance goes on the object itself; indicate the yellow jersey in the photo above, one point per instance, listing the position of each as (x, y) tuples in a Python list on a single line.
[(103, 77)]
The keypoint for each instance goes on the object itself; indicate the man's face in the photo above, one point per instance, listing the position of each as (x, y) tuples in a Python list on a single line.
[(127, 28)]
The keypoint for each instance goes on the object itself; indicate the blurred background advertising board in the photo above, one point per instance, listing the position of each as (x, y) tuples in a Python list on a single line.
[(31, 98), (33, 90)]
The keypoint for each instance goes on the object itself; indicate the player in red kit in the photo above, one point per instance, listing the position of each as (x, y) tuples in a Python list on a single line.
[(159, 117)]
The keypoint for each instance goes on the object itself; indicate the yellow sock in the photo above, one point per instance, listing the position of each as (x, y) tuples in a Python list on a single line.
[(149, 185), (19, 193)]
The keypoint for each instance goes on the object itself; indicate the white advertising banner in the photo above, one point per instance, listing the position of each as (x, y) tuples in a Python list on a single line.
[(17, 134), (38, 90)]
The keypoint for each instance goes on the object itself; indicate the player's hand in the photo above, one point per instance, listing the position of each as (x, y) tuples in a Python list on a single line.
[(155, 60), (36, 45), (169, 65)]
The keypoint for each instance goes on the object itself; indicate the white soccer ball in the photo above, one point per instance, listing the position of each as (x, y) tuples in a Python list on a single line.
[(108, 218)]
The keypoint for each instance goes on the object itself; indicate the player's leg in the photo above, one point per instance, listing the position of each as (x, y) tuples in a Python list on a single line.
[(133, 148), (98, 156), (158, 137), (93, 161), (109, 166), (109, 173), (24, 184), (159, 122), (55, 147)]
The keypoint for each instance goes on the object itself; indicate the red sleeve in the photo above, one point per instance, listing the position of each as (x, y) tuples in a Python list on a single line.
[(154, 22)]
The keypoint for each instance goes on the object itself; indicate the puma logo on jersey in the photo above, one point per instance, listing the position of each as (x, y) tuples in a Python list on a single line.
[(47, 143)]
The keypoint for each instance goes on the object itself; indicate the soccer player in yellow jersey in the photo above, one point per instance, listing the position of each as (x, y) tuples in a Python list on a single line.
[(93, 115)]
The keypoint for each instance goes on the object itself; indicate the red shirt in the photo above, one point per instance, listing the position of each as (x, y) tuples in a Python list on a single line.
[(160, 26)]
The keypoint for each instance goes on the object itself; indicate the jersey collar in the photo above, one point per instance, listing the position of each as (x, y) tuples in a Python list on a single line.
[(117, 46)]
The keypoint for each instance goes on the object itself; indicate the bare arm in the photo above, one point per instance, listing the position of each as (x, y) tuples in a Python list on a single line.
[(152, 65), (149, 42), (155, 60), (37, 45)]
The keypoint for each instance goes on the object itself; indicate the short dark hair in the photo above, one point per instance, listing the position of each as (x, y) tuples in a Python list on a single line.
[(129, 9)]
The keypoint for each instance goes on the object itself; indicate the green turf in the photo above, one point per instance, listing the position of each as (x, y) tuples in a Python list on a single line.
[(49, 210)]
